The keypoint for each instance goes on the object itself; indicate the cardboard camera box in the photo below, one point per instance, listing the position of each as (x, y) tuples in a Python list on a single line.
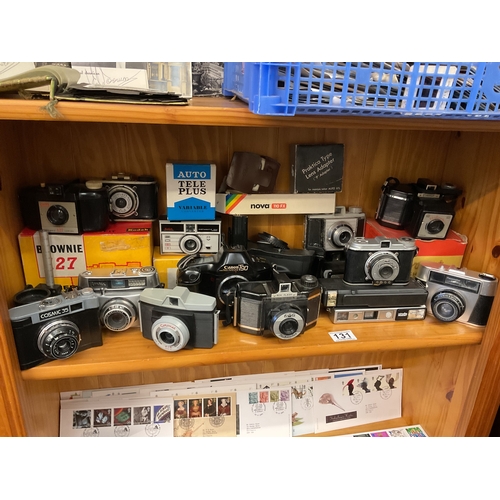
[(123, 244)]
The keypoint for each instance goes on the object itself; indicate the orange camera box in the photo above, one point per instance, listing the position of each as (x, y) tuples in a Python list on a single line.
[(449, 251), (123, 244)]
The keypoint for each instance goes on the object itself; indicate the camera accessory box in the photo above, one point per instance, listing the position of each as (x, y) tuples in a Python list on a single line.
[(123, 244), (191, 191)]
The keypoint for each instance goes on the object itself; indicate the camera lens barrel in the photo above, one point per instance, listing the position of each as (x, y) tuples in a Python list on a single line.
[(57, 215), (286, 322), (59, 339), (170, 333), (447, 306), (123, 201), (118, 315), (382, 266)]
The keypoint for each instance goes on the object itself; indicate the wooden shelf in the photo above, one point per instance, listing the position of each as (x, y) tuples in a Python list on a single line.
[(128, 351), (222, 111)]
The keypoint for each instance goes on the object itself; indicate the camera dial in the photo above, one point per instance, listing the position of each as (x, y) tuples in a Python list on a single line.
[(382, 266), (118, 315), (286, 321), (57, 215), (59, 339), (447, 305), (169, 333), (123, 201)]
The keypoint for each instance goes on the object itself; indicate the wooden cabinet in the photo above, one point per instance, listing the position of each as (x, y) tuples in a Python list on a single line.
[(450, 370)]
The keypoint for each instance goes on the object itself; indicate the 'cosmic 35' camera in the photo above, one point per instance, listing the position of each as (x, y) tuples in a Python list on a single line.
[(118, 293), (281, 307), (177, 318), (56, 327), (132, 198), (379, 260), (71, 208), (458, 294)]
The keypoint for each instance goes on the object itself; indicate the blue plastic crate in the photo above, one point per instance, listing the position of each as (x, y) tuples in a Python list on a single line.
[(430, 89)]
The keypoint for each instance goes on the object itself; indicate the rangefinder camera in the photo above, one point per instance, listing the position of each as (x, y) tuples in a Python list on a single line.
[(71, 208), (334, 232), (56, 327), (118, 292), (458, 294), (132, 198), (379, 260), (177, 318), (190, 237), (281, 307)]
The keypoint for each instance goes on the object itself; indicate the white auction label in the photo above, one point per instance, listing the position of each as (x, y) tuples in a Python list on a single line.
[(342, 336)]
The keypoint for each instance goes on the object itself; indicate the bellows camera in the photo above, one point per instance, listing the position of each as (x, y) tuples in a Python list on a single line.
[(132, 198), (190, 237), (379, 260), (458, 294), (334, 232), (118, 293), (56, 327), (178, 318), (282, 307), (395, 206), (72, 208)]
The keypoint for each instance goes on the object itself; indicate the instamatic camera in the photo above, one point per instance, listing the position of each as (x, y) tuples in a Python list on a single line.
[(118, 293), (379, 260), (56, 327), (281, 307), (132, 198), (334, 232), (72, 208), (458, 294), (178, 318)]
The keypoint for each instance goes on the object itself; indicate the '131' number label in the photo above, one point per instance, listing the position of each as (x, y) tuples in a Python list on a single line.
[(342, 336)]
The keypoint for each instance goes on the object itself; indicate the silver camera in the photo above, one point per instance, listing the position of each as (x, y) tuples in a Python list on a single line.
[(118, 292), (190, 237), (177, 318), (458, 294), (334, 232)]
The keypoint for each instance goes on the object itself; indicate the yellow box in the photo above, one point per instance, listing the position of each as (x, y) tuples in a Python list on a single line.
[(166, 265), (123, 244)]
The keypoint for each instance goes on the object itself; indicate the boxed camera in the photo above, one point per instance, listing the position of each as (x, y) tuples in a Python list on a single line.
[(166, 265), (448, 251), (123, 244), (190, 191)]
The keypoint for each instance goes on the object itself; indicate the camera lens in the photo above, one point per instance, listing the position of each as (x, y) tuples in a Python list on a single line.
[(59, 339), (57, 215), (190, 244), (118, 315), (447, 306), (286, 321), (170, 333), (435, 226), (341, 235), (382, 266), (123, 201)]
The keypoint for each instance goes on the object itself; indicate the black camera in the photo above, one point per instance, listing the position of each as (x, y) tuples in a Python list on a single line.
[(395, 206), (433, 209), (132, 198), (458, 294), (282, 307), (217, 275), (379, 260), (56, 327), (71, 208), (178, 318)]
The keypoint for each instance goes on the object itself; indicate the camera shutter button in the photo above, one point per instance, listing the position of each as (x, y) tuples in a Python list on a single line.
[(93, 184)]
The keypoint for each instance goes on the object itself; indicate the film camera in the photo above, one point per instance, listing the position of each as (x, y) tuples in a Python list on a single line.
[(71, 208), (178, 318), (132, 198), (433, 209), (282, 307), (395, 206), (118, 293), (190, 237), (359, 303), (56, 327), (379, 260), (458, 294), (334, 232), (217, 275)]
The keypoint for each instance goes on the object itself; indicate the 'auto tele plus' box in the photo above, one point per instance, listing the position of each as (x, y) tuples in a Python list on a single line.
[(123, 244), (449, 251)]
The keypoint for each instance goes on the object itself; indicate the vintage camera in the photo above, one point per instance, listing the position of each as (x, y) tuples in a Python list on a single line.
[(458, 294), (56, 327), (71, 208), (217, 275), (359, 303), (177, 318), (282, 307), (395, 206), (132, 198), (190, 237), (433, 210), (118, 293), (379, 260), (334, 232)]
